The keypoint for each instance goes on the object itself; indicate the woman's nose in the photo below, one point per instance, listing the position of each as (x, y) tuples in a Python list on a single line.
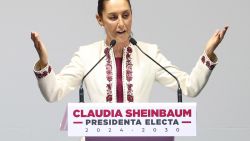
[(120, 22)]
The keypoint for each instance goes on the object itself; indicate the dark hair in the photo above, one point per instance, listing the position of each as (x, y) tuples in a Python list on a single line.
[(100, 6)]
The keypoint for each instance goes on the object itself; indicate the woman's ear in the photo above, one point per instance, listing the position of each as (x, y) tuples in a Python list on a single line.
[(99, 20)]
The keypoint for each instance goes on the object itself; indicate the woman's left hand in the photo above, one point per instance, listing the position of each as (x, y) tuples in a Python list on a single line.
[(215, 40)]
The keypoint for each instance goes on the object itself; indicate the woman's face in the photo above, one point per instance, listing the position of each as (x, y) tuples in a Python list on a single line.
[(117, 20)]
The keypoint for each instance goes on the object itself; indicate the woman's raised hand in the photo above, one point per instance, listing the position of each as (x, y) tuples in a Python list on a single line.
[(215, 40), (41, 50)]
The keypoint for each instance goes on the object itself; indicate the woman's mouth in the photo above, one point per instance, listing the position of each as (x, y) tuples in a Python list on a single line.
[(120, 32)]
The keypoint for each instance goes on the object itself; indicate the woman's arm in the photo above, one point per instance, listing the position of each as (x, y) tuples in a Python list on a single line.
[(194, 82), (54, 87)]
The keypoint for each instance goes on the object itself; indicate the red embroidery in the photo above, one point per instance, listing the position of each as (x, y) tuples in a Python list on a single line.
[(109, 98), (129, 75), (212, 67), (203, 59), (109, 75), (207, 62), (43, 73), (129, 50), (49, 70), (130, 98)]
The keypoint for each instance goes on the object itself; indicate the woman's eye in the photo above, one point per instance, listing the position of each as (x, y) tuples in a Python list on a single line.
[(113, 18), (125, 16)]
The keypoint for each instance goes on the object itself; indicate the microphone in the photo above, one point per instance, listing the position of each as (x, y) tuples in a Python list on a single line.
[(179, 91), (81, 91)]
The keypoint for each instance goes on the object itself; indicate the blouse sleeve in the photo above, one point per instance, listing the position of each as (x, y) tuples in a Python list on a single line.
[(191, 84), (54, 87)]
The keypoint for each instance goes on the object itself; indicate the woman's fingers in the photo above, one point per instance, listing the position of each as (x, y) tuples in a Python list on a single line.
[(40, 48), (223, 32), (36, 41), (216, 32), (216, 39)]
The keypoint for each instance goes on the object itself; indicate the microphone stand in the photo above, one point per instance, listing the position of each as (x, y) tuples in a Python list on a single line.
[(179, 91), (81, 90)]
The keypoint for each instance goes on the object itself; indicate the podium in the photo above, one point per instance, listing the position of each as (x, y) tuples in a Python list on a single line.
[(130, 119)]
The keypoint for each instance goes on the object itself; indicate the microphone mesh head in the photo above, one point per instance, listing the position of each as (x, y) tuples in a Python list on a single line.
[(112, 43), (133, 41)]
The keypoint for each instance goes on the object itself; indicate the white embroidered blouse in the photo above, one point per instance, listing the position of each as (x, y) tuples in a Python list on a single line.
[(138, 74)]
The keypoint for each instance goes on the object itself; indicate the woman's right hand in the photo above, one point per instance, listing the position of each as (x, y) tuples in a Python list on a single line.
[(41, 50)]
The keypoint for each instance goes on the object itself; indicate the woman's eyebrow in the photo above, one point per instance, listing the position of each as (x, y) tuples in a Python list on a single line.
[(112, 13)]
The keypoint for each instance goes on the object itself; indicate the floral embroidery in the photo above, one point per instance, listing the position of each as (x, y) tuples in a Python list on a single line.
[(205, 60), (211, 67), (43, 73), (109, 75), (109, 98), (129, 74), (130, 98), (208, 64)]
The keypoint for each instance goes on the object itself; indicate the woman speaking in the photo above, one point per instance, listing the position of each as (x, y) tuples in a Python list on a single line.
[(125, 74)]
